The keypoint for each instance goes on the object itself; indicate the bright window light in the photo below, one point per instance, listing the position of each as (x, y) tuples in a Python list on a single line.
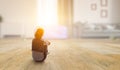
[(47, 13)]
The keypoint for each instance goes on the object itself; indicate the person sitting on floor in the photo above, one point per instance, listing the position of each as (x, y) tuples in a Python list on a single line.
[(39, 46)]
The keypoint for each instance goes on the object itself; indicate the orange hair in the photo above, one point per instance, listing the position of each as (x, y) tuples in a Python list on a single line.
[(39, 33)]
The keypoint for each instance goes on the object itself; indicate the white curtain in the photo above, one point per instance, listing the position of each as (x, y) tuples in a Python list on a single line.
[(65, 15)]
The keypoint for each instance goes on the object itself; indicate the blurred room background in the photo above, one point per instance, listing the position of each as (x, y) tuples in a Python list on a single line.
[(61, 19)]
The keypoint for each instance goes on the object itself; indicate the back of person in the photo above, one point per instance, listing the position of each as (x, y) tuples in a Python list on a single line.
[(39, 50), (38, 45)]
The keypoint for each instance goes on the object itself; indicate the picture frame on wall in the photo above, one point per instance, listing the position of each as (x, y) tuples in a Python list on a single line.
[(104, 3), (93, 6), (104, 13)]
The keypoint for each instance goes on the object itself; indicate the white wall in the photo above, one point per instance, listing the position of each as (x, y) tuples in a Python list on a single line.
[(115, 11), (83, 12), (19, 17)]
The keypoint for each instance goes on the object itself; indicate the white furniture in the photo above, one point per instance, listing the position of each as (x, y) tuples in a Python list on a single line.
[(97, 30), (11, 30)]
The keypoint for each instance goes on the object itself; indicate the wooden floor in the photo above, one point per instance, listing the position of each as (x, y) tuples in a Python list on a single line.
[(15, 54)]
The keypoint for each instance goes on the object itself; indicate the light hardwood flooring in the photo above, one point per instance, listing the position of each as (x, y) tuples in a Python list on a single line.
[(71, 54)]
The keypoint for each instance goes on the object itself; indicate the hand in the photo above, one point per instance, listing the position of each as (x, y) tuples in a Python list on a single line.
[(46, 42)]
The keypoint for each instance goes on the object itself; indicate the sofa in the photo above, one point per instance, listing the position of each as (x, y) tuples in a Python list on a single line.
[(96, 30)]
